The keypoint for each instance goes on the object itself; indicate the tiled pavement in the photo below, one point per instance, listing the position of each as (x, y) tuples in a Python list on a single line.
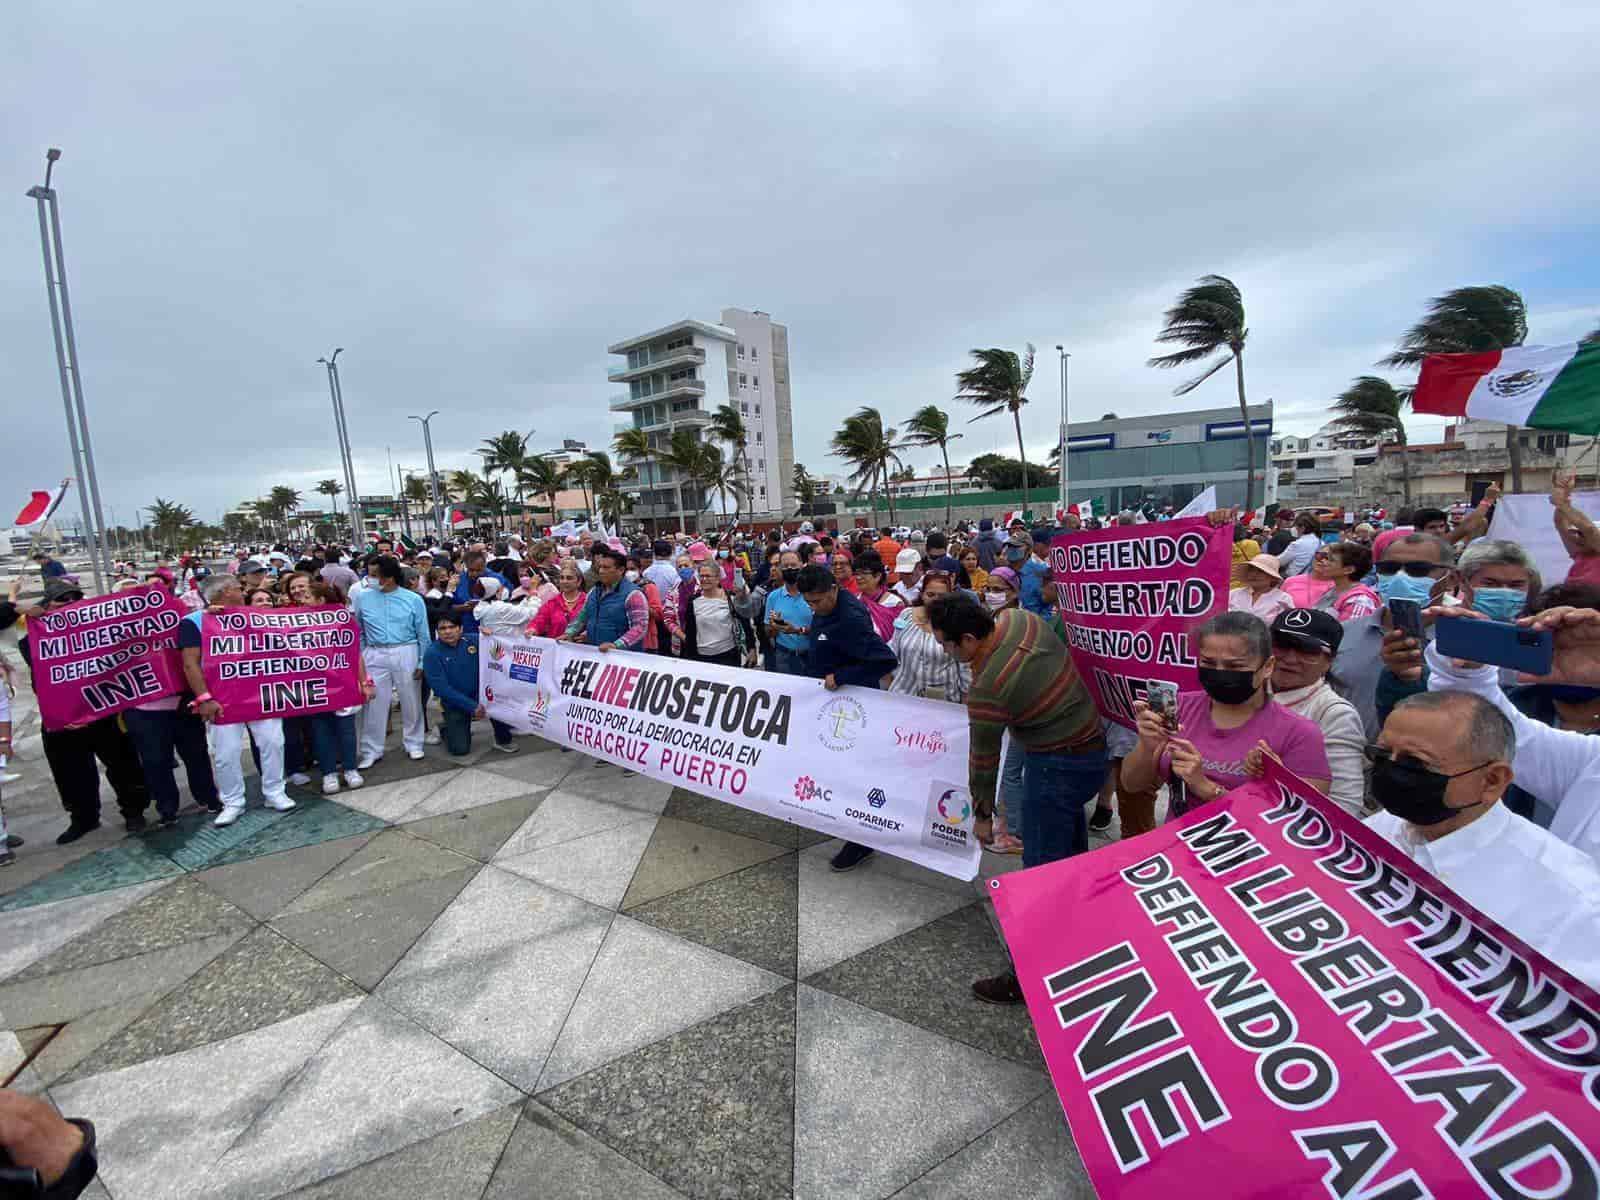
[(525, 976)]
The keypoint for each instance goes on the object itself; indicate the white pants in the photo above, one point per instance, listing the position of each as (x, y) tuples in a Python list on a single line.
[(391, 670), (227, 744)]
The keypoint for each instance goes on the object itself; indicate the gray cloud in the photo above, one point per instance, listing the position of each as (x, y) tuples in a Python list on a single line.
[(474, 203)]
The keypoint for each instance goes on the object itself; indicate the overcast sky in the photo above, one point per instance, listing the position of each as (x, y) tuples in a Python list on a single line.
[(475, 199)]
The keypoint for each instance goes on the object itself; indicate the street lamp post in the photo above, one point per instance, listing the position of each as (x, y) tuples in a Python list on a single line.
[(1064, 481), (433, 475), (336, 392), (55, 280)]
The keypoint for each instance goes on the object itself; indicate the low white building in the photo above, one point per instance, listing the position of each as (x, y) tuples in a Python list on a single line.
[(1321, 466)]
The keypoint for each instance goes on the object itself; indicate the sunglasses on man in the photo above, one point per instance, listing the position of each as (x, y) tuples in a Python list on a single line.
[(1417, 570)]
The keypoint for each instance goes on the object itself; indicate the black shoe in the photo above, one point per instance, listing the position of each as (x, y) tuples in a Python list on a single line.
[(212, 806), (12, 841), (1100, 818), (7, 858), (169, 822), (851, 856), (137, 824), (74, 832), (1002, 989)]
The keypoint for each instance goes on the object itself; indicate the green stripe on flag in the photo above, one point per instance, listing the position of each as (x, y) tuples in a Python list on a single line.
[(1572, 401)]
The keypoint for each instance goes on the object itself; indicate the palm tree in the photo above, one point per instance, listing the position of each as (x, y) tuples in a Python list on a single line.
[(716, 471), (169, 520), (542, 477), (1207, 318), (866, 445), (1465, 321), (603, 480), (634, 447), (508, 453), (682, 454), (331, 489), (996, 382), (1371, 406), (728, 426), (458, 483), (805, 489), (592, 472), (930, 426)]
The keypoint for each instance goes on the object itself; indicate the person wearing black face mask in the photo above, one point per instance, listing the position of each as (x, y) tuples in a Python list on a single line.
[(1220, 728), (1440, 767)]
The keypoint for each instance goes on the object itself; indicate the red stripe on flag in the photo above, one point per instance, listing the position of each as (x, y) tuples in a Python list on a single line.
[(34, 509), (1448, 379)]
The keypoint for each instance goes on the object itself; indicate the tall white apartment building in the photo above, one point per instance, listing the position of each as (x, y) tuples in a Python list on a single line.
[(680, 374), (758, 375)]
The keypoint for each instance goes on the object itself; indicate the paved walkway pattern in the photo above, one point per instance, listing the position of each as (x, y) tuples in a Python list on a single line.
[(515, 977)]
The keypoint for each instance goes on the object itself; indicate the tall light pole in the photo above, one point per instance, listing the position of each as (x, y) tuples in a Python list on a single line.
[(55, 282), (433, 475), (337, 394), (1064, 357)]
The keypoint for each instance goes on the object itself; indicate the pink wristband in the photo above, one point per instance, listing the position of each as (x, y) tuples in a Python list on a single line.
[(200, 699)]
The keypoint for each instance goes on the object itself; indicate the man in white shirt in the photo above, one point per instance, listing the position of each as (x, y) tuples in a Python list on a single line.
[(1296, 557), (1560, 767), (1440, 767)]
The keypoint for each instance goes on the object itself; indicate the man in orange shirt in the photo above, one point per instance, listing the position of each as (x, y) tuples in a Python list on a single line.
[(886, 546)]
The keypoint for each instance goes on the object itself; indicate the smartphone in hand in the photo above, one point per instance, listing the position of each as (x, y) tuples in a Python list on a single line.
[(1502, 643), (1407, 617), (1162, 697)]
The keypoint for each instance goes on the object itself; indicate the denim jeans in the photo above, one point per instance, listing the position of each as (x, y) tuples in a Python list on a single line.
[(1057, 784), (1013, 800), (458, 731), (155, 734), (792, 662), (335, 739)]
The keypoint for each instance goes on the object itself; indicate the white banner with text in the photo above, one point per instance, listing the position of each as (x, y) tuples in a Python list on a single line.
[(887, 771)]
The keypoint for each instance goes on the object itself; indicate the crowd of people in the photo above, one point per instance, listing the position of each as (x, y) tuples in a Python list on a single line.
[(1478, 777)]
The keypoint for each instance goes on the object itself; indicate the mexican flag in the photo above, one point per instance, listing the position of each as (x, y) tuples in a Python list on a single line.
[(1541, 387)]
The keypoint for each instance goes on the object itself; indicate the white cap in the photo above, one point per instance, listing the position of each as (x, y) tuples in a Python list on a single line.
[(906, 561)]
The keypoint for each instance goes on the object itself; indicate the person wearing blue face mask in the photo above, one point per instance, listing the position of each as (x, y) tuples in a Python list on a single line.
[(1497, 577)]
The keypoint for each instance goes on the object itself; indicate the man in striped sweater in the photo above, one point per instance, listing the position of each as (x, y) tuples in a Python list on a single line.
[(1023, 680)]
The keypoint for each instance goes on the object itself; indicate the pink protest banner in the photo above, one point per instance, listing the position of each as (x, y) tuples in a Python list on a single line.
[(1271, 1001), (97, 657), (1129, 596), (281, 662)]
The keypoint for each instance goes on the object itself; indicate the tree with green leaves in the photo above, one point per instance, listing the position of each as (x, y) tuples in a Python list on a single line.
[(634, 447), (997, 382), (331, 489), (169, 519), (930, 426), (1208, 318), (539, 476), (682, 456), (1002, 474), (1371, 407), (1469, 320), (728, 426), (871, 451), (507, 454), (603, 480), (805, 490)]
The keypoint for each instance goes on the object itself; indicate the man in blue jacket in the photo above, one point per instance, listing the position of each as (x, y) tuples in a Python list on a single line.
[(451, 665), (845, 649), (464, 600)]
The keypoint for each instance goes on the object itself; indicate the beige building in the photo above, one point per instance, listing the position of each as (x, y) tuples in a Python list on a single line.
[(1470, 452)]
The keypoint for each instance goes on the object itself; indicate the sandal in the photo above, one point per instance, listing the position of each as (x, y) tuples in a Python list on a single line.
[(1004, 843)]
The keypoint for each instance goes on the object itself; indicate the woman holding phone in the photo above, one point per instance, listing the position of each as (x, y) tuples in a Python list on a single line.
[(1220, 727)]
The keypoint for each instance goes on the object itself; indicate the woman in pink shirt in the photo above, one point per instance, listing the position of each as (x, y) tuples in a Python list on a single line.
[(1208, 752), (557, 612), (1342, 566)]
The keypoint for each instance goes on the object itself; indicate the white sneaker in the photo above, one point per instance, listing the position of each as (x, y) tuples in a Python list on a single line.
[(228, 815), (366, 760), (299, 779), (330, 784), (281, 804), (430, 738), (353, 779), (506, 747), (415, 754)]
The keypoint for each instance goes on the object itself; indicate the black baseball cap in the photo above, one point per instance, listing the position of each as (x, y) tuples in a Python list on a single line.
[(1308, 628)]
